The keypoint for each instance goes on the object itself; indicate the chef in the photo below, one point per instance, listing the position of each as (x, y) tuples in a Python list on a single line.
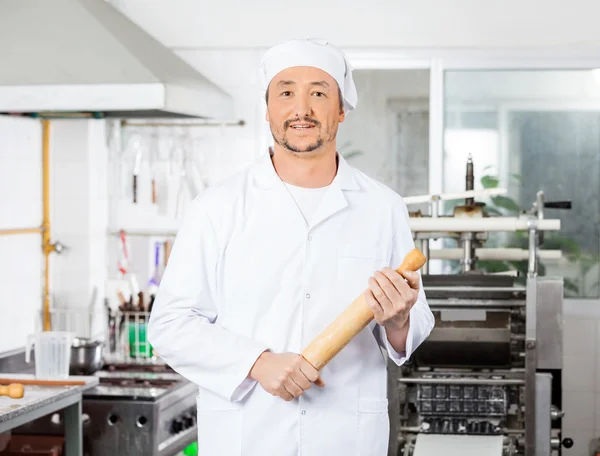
[(265, 260)]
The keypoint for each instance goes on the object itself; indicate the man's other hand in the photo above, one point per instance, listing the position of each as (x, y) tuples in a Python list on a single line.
[(286, 375)]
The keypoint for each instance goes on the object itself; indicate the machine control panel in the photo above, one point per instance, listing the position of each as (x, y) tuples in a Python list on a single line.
[(182, 422)]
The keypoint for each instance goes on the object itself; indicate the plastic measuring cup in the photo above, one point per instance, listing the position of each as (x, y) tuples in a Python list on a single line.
[(52, 353)]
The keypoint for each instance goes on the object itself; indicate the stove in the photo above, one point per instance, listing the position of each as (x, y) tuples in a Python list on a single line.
[(142, 409), (142, 386)]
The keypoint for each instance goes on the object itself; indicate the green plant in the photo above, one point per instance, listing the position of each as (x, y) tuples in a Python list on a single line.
[(572, 252)]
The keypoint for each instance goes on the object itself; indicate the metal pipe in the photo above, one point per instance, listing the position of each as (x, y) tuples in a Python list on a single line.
[(469, 180), (463, 381), (410, 200), (20, 231), (207, 123), (425, 251), (47, 247), (498, 306), (468, 261), (533, 247), (494, 254), (485, 224)]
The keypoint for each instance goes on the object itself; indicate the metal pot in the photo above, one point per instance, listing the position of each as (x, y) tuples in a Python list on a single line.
[(86, 356)]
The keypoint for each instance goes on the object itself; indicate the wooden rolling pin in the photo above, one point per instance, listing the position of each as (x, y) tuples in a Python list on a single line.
[(351, 321), (14, 390), (43, 382)]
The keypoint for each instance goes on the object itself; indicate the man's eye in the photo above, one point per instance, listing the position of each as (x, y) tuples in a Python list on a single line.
[(319, 94), (286, 94)]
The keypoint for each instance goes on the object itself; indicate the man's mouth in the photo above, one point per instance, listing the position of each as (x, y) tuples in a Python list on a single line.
[(301, 126)]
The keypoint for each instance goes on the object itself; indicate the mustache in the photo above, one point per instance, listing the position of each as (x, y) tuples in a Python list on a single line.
[(314, 122)]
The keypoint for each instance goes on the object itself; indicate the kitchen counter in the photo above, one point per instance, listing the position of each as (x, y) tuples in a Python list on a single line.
[(39, 401)]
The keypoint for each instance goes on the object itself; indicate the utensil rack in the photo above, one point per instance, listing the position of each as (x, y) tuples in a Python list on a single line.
[(127, 339)]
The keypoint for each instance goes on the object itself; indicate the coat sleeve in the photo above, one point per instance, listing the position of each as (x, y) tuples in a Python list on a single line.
[(183, 326), (421, 320)]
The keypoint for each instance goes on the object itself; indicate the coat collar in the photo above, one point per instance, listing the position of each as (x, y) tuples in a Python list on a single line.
[(266, 178)]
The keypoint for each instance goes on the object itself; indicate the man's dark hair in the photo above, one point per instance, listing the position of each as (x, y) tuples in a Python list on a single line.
[(339, 96)]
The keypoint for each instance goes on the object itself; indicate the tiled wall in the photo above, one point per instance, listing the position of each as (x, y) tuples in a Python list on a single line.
[(20, 207), (79, 217)]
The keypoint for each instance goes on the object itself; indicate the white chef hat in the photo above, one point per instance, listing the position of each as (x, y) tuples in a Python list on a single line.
[(314, 53)]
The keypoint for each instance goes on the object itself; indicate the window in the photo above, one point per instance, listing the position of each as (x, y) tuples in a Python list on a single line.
[(531, 131)]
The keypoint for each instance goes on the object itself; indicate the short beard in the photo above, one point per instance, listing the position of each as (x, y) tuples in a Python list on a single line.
[(283, 142), (286, 145)]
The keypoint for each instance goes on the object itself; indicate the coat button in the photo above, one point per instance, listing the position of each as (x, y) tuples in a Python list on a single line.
[(307, 295), (309, 237), (303, 412)]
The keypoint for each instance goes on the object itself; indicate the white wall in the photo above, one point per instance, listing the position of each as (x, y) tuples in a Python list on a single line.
[(78, 217), (20, 207), (370, 127), (384, 23)]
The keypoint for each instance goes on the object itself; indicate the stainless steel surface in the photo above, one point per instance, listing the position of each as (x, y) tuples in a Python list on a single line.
[(514, 327), (116, 68), (549, 325), (86, 356), (531, 365), (543, 430), (14, 361), (533, 247), (468, 244)]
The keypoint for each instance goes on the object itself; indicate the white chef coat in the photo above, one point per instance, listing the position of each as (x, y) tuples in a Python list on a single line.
[(246, 274)]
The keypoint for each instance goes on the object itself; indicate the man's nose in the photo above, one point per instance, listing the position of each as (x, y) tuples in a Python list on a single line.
[(303, 108)]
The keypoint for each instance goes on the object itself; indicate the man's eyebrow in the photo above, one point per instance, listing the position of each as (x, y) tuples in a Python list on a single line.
[(324, 84), (285, 83)]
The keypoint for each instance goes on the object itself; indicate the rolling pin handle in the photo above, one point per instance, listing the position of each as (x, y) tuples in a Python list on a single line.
[(14, 390)]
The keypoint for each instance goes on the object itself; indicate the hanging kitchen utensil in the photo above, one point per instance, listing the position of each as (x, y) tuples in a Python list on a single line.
[(136, 168), (183, 185), (162, 169), (168, 245), (123, 264), (154, 160), (123, 261), (154, 281)]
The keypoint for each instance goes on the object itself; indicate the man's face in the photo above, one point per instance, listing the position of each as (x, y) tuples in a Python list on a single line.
[(303, 109)]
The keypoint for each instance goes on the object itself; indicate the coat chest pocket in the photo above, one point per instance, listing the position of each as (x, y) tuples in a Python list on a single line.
[(357, 262)]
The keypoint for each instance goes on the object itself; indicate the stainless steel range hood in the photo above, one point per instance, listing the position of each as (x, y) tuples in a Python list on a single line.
[(86, 56)]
